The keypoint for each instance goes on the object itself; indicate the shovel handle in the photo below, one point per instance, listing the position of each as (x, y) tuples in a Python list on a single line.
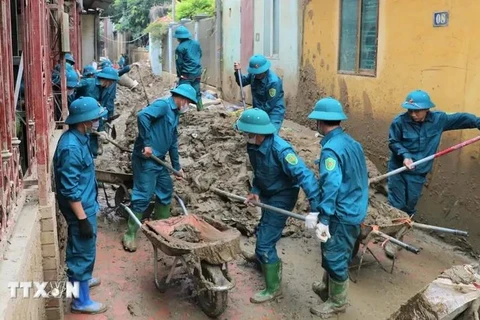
[(259, 204), (397, 242), (440, 229), (241, 88)]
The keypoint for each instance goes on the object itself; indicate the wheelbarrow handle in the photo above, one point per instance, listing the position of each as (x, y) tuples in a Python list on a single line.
[(440, 229), (132, 216), (397, 242), (259, 204)]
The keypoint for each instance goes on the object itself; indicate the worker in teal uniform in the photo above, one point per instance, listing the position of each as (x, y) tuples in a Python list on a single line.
[(76, 192), (89, 71), (72, 84), (267, 88), (278, 173), (343, 204), (414, 135), (107, 77), (109, 93), (157, 135), (188, 60), (69, 65), (89, 86)]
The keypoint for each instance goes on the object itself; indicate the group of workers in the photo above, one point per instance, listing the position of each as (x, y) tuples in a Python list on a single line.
[(338, 198), (91, 103)]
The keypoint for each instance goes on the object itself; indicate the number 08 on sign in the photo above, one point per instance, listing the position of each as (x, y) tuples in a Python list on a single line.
[(440, 19)]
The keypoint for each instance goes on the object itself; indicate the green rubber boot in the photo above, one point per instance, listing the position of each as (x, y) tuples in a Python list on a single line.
[(273, 279), (337, 300), (161, 211), (321, 287), (200, 104), (129, 240)]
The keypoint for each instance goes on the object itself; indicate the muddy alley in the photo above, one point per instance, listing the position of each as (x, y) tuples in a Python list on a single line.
[(213, 154)]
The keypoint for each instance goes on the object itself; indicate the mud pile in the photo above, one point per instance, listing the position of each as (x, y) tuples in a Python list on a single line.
[(213, 154), (187, 233)]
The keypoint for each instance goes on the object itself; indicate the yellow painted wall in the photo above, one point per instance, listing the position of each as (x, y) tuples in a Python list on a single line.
[(412, 54)]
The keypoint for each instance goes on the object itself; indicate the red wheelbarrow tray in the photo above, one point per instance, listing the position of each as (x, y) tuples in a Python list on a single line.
[(220, 244)]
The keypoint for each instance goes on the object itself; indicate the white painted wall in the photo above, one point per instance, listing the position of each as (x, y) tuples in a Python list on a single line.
[(286, 65), (231, 48)]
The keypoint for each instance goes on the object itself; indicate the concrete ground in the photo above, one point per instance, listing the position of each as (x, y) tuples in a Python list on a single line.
[(130, 293)]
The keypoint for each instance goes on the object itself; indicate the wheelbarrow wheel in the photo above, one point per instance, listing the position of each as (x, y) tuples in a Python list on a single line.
[(213, 303)]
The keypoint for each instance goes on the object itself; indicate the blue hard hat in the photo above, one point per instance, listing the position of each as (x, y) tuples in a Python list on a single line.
[(69, 58), (255, 121), (186, 91), (258, 64), (182, 33), (85, 109), (108, 73), (106, 64), (328, 109), (72, 78), (88, 70), (418, 100)]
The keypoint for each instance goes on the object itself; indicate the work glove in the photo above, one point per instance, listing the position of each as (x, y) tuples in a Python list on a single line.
[(86, 230), (322, 232), (311, 220)]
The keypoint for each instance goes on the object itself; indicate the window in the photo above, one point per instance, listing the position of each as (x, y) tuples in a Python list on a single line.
[(358, 37), (271, 44)]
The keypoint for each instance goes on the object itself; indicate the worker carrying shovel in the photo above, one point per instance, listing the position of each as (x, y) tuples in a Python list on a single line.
[(343, 204), (267, 88), (157, 135), (188, 61), (278, 173), (415, 135)]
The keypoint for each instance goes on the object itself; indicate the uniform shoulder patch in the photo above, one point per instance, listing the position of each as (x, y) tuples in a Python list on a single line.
[(292, 159), (272, 92), (330, 164)]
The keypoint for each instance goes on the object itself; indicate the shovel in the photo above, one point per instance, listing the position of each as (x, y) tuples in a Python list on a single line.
[(301, 217), (154, 158), (429, 158)]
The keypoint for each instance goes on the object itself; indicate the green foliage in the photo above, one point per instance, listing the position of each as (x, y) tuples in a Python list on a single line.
[(132, 15), (190, 8), (157, 30)]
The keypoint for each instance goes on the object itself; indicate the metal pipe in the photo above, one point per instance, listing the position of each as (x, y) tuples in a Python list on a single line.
[(259, 204), (196, 25), (397, 242), (242, 93), (440, 229)]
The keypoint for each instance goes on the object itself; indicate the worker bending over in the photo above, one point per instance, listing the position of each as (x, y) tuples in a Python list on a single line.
[(188, 61), (343, 204), (157, 135), (414, 135), (76, 192), (267, 88), (278, 173)]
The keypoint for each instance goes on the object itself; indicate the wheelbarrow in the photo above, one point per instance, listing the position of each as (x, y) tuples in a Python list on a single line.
[(205, 262), (124, 183)]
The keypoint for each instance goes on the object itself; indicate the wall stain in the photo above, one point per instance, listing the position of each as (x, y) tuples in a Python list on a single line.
[(367, 106), (319, 49)]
